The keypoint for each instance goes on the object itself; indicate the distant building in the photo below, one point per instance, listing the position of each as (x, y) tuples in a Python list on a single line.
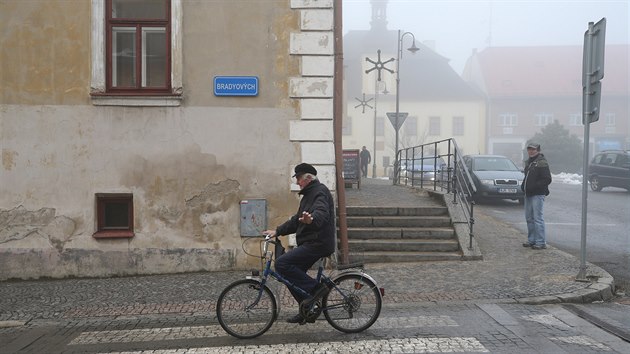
[(530, 87), (439, 103), (121, 156)]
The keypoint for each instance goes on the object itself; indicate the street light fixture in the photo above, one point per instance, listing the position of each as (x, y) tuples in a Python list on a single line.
[(413, 49)]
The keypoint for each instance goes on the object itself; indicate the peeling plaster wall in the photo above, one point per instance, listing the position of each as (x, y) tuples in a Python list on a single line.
[(187, 167)]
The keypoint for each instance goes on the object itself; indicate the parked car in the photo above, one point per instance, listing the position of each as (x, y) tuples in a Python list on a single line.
[(426, 169), (495, 177), (610, 168)]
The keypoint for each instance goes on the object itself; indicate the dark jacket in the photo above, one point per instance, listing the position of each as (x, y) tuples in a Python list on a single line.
[(317, 200), (537, 176)]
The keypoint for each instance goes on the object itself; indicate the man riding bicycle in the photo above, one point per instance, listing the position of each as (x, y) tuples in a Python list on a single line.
[(314, 228)]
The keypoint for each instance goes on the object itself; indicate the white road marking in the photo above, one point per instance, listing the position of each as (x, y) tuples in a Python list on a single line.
[(582, 340), (189, 332), (398, 345)]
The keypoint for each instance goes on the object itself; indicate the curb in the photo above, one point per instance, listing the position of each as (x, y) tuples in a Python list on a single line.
[(599, 290)]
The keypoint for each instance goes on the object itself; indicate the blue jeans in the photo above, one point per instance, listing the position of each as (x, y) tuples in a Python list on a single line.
[(535, 220), (294, 264)]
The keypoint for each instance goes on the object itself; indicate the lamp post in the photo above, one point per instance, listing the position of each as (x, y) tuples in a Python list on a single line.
[(378, 66), (374, 131), (413, 49)]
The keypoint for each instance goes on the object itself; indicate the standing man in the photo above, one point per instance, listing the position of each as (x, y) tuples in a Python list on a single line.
[(365, 160), (535, 185), (314, 228)]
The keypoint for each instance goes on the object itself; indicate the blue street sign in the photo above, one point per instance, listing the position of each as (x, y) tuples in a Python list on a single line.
[(236, 86)]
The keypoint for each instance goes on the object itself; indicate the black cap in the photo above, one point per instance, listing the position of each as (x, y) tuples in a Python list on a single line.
[(533, 146), (304, 168)]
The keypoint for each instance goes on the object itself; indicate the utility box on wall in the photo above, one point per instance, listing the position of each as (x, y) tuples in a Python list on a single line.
[(253, 217)]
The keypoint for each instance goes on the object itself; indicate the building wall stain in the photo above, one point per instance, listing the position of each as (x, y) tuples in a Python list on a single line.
[(40, 228)]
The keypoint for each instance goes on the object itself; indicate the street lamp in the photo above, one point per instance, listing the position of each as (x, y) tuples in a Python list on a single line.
[(385, 92), (413, 49), (379, 65)]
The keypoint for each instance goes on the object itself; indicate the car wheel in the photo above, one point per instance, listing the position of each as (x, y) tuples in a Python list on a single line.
[(595, 185), (521, 201)]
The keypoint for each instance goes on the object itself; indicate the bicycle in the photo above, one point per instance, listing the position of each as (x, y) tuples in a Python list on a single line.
[(247, 308)]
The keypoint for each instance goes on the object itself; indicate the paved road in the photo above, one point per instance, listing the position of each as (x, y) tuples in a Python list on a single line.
[(476, 306), (608, 240)]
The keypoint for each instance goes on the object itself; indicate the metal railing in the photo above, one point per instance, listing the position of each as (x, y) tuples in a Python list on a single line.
[(446, 171)]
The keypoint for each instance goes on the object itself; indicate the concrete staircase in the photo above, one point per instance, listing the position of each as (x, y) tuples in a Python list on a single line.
[(401, 234)]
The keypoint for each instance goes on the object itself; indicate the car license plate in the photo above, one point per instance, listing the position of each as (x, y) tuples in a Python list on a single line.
[(507, 190)]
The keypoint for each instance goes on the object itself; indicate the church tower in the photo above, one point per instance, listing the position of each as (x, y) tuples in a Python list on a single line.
[(379, 15)]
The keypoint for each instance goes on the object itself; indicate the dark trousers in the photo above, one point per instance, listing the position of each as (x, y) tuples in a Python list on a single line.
[(364, 169), (294, 264)]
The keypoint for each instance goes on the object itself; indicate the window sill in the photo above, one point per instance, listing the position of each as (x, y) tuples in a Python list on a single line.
[(137, 101), (113, 234)]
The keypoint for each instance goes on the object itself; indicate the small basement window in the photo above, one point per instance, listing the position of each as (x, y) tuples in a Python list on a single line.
[(114, 215)]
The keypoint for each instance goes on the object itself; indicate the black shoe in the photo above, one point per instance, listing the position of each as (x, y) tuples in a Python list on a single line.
[(320, 291), (297, 319), (527, 244), (539, 247)]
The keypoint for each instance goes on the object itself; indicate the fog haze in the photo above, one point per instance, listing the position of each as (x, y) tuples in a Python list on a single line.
[(457, 27)]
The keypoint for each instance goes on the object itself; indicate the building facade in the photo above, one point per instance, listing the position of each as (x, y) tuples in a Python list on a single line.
[(438, 102), (530, 87), (120, 152)]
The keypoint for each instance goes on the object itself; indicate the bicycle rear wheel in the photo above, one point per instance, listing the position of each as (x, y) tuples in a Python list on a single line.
[(238, 312), (353, 305)]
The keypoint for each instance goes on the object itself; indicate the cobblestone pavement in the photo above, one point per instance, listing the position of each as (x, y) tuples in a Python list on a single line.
[(473, 306)]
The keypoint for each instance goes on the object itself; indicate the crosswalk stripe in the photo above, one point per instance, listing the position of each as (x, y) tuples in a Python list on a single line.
[(396, 345), (211, 331)]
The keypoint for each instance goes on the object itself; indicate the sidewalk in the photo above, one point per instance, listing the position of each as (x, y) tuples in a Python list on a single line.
[(508, 273)]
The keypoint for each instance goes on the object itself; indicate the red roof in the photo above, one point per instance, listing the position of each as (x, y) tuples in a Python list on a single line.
[(549, 71)]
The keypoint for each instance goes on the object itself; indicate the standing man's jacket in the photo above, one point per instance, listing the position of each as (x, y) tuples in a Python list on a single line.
[(318, 201), (537, 176)]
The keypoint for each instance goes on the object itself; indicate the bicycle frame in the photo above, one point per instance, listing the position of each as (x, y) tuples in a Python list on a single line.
[(268, 271)]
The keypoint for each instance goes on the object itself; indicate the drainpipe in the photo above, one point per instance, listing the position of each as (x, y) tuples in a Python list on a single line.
[(338, 125)]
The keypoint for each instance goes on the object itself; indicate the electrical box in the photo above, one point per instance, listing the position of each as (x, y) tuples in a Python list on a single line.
[(253, 217)]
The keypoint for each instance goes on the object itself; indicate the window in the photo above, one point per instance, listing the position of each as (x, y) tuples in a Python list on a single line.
[(544, 119), (575, 119), (380, 126), (508, 119), (458, 126), (114, 215), (434, 126), (346, 128), (138, 46), (411, 126), (136, 52)]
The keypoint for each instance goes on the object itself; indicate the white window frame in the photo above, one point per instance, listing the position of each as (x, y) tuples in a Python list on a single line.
[(98, 89), (575, 119), (543, 119), (459, 126), (508, 120)]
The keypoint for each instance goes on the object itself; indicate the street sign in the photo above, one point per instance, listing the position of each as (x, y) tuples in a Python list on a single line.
[(593, 70), (236, 86), (401, 119), (595, 50)]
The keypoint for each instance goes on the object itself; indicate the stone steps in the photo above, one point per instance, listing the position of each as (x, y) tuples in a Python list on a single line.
[(401, 234)]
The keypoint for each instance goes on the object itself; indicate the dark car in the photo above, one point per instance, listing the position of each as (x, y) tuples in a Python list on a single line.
[(610, 169), (495, 177)]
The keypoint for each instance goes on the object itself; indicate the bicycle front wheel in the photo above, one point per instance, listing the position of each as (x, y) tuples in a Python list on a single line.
[(245, 310), (353, 305)]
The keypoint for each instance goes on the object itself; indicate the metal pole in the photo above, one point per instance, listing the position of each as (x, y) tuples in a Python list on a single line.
[(587, 125), (374, 143), (398, 55)]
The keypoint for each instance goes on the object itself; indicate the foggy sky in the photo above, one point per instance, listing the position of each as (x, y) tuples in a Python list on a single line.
[(458, 26)]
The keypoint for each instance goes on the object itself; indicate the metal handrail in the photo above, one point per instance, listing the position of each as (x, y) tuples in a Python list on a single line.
[(452, 176)]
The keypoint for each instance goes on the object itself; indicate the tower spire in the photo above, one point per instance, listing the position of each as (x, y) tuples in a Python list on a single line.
[(379, 15)]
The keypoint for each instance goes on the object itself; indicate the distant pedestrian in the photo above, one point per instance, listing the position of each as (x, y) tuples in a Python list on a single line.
[(366, 158), (536, 188)]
